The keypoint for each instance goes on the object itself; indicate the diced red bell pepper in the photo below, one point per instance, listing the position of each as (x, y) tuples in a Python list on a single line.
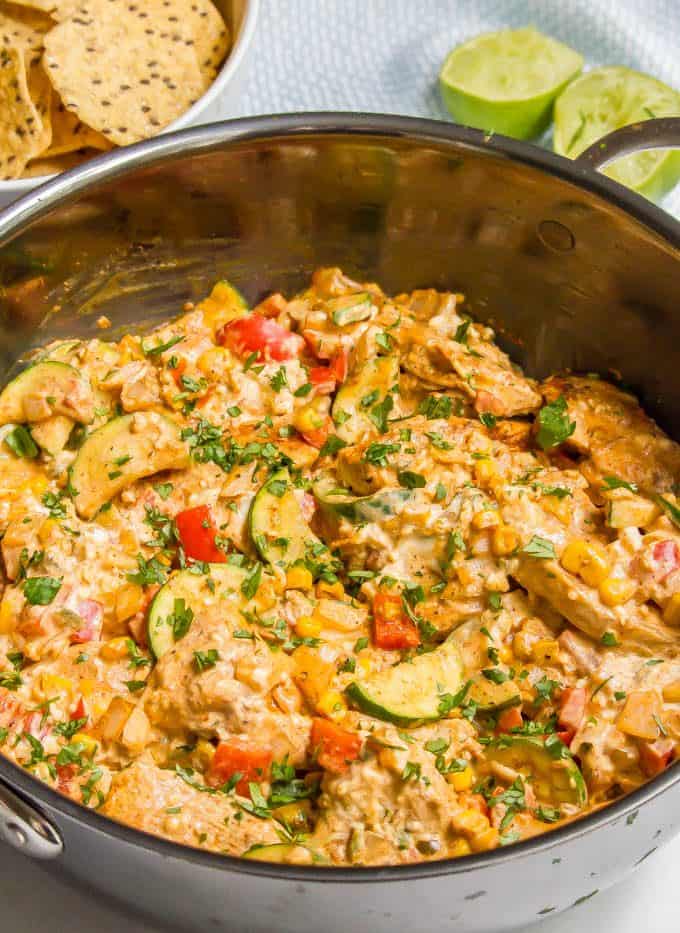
[(78, 711), (65, 776), (392, 628), (655, 756), (251, 762), (256, 333), (509, 719), (666, 557), (197, 533), (92, 614), (325, 378), (178, 371), (572, 711), (334, 747)]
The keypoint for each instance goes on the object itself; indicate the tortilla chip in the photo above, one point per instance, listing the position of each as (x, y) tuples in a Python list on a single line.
[(120, 75), (200, 23), (44, 166), (25, 29), (57, 8), (40, 89), (21, 128), (69, 134)]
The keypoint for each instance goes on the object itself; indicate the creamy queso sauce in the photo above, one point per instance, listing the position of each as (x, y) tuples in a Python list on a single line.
[(331, 581)]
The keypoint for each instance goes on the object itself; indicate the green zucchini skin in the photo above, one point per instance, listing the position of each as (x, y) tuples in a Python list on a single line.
[(532, 751), (350, 309), (116, 455), (376, 377), (493, 698), (360, 509), (194, 590), (52, 378), (274, 517), (410, 693)]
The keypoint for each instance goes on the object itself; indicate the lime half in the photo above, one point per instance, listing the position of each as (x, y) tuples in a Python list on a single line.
[(606, 99), (507, 81)]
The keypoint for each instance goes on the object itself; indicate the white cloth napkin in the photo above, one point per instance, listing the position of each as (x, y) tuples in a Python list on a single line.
[(383, 56)]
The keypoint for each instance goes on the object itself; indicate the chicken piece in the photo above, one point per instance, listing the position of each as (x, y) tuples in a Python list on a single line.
[(609, 754), (393, 806), (615, 434), (453, 352), (138, 385), (146, 797), (633, 622), (235, 697)]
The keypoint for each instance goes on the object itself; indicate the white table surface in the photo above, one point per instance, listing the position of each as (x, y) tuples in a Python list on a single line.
[(30, 900)]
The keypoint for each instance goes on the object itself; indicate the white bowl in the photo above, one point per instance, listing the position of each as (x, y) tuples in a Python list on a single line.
[(241, 17)]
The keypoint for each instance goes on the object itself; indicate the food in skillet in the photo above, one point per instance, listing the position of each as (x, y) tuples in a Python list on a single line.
[(331, 581)]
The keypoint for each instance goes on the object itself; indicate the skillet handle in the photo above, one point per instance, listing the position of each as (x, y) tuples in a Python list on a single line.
[(25, 828), (661, 133)]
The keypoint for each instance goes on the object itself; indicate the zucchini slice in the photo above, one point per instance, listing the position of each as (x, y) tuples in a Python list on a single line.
[(491, 697), (360, 394), (350, 309), (47, 389), (277, 852), (411, 692), (359, 509), (222, 582), (556, 778), (119, 453), (277, 525)]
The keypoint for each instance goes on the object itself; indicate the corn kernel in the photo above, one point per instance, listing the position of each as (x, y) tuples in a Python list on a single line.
[(334, 590), (38, 485), (560, 508), (545, 651), (671, 612), (671, 692), (332, 704), (308, 627), (53, 684), (460, 780), (128, 540), (505, 654), (129, 601), (485, 471), (84, 739), (586, 559), (203, 754), (485, 518), (8, 615), (312, 416), (364, 664), (488, 839), (115, 649), (87, 686), (459, 848), (299, 578), (46, 530), (614, 591), (212, 360), (504, 540)]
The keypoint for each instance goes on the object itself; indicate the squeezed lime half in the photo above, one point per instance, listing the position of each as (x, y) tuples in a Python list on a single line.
[(507, 81), (606, 99)]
